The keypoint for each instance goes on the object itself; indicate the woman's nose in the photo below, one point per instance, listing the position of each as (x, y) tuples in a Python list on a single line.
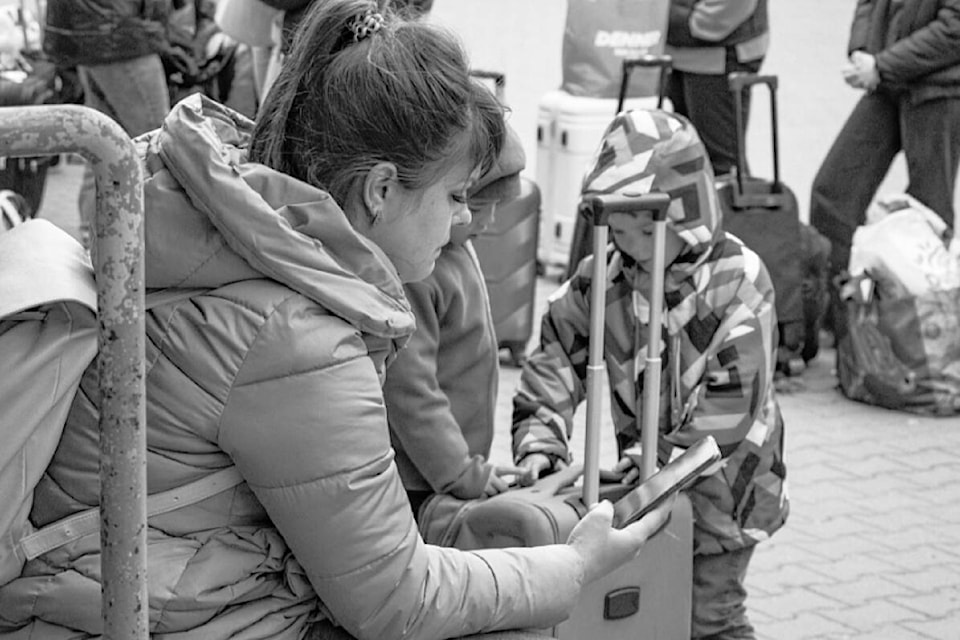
[(462, 216)]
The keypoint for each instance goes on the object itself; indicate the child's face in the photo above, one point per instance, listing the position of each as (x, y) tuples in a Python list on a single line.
[(633, 235), (482, 216)]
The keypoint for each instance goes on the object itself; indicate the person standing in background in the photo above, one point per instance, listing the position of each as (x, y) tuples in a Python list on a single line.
[(905, 56), (708, 40), (115, 46)]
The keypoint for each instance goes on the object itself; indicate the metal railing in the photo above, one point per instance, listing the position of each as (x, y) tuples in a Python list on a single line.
[(118, 261)]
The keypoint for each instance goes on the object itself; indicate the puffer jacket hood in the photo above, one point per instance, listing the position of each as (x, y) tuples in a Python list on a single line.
[(647, 150), (289, 231)]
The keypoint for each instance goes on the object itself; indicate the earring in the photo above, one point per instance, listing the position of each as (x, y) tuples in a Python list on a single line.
[(375, 216)]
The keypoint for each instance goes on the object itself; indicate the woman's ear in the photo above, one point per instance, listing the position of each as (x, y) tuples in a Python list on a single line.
[(378, 187)]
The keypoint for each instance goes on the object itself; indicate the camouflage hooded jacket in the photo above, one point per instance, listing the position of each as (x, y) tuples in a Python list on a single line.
[(718, 347)]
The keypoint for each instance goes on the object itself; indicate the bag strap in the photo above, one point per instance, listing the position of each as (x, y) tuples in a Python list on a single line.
[(87, 522)]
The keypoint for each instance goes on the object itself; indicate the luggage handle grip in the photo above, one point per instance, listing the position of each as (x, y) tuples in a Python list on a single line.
[(664, 62), (600, 206), (739, 82)]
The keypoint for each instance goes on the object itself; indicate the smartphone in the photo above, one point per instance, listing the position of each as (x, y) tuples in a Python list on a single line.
[(676, 475)]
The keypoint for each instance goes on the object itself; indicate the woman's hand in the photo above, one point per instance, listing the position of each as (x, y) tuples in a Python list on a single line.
[(495, 481), (604, 548)]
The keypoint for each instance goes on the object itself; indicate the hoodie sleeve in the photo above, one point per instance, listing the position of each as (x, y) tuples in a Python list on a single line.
[(552, 384), (305, 424), (421, 417)]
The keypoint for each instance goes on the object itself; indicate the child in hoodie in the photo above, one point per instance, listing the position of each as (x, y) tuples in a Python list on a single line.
[(441, 390), (718, 357)]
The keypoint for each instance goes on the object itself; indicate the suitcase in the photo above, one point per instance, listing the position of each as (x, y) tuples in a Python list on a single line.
[(764, 215), (568, 130), (507, 251), (582, 228), (650, 597)]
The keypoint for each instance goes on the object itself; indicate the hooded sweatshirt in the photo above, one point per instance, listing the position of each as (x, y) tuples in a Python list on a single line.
[(275, 368), (441, 391), (718, 348)]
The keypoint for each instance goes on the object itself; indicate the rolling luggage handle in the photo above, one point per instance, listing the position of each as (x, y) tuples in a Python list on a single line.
[(664, 62), (496, 78), (599, 207), (740, 82)]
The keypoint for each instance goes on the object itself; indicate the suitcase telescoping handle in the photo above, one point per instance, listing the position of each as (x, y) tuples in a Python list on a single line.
[(739, 83), (496, 78), (665, 63), (599, 208)]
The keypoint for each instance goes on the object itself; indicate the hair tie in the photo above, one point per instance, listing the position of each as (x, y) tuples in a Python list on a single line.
[(364, 25)]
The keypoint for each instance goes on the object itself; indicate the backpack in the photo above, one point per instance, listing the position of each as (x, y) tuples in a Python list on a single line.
[(48, 338)]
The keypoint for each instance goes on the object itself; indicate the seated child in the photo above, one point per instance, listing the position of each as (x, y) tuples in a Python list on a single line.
[(718, 357), (441, 390)]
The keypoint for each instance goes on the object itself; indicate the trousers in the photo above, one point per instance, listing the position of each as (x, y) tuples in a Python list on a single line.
[(719, 611), (133, 93), (881, 125), (706, 100)]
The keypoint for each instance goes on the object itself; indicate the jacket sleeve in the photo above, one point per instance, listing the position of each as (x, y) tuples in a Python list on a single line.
[(421, 419), (553, 381), (926, 50), (730, 396), (306, 426), (860, 26), (711, 20)]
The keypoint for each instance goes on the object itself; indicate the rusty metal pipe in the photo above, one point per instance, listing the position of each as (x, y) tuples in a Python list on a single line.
[(118, 259)]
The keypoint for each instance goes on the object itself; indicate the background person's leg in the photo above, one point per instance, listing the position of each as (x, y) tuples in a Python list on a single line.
[(931, 144), (134, 94)]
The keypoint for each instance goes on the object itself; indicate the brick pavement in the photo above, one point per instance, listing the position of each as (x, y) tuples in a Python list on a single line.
[(872, 547)]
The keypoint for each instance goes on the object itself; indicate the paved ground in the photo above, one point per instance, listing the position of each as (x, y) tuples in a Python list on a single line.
[(872, 547)]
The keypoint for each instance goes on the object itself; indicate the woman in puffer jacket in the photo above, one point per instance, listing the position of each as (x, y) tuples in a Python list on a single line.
[(298, 233)]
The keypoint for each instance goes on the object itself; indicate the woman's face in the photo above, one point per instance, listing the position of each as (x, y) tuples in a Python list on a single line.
[(633, 235), (415, 223)]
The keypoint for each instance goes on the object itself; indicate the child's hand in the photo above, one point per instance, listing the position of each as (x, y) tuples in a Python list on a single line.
[(495, 482), (532, 467), (627, 469)]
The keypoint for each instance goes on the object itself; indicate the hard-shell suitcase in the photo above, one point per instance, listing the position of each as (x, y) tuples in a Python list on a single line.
[(507, 251), (581, 240), (764, 215), (648, 598), (568, 128)]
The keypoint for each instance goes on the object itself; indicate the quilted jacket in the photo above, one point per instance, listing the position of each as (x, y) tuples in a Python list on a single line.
[(718, 348), (921, 55), (275, 368)]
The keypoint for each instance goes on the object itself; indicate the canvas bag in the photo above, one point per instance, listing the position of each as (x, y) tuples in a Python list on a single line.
[(902, 350), (600, 34), (44, 351), (48, 338)]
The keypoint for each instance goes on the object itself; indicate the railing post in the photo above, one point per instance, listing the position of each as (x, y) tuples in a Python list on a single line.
[(118, 260)]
